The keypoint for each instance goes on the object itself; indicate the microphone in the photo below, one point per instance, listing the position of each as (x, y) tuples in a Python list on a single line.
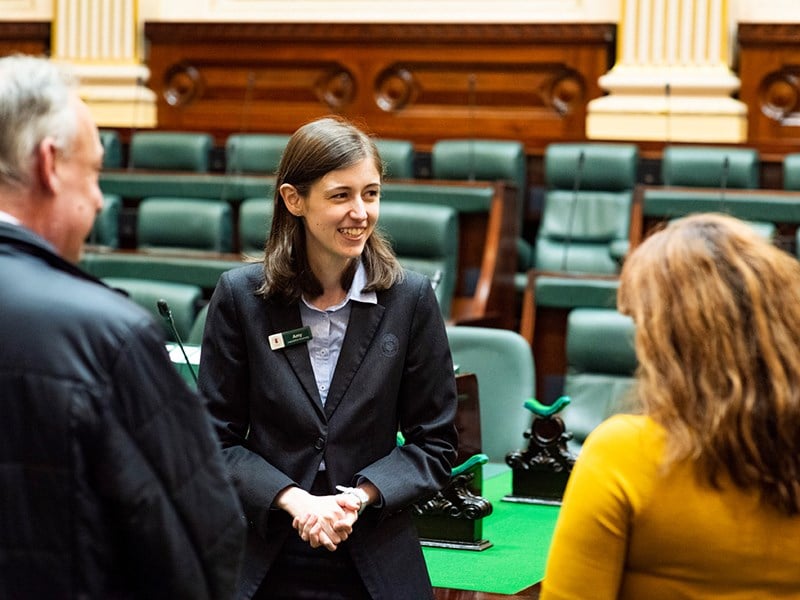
[(723, 181), (573, 207), (668, 110), (164, 311), (471, 81)]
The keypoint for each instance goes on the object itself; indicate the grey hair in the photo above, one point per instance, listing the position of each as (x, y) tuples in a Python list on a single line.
[(34, 104)]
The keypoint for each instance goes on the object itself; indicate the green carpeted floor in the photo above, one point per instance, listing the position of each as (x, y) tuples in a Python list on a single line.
[(521, 536)]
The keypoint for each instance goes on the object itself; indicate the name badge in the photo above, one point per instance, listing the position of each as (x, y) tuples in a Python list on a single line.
[(289, 338)]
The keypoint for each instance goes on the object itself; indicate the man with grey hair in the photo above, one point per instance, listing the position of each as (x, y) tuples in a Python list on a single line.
[(111, 481)]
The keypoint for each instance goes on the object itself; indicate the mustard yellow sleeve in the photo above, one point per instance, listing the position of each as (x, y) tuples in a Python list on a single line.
[(588, 551)]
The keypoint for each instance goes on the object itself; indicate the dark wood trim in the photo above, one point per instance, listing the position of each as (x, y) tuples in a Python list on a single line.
[(26, 37), (405, 33)]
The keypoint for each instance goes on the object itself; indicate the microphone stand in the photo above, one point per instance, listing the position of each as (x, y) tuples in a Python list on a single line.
[(166, 313)]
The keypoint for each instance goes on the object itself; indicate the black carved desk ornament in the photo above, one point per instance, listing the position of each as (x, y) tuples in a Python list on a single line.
[(540, 472), (453, 518)]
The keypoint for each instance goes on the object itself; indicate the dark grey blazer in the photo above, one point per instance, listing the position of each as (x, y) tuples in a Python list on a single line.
[(395, 373)]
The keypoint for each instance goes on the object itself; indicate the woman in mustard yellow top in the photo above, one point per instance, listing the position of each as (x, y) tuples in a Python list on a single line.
[(699, 497)]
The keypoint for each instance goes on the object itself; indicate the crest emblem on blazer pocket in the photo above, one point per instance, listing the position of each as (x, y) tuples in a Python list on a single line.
[(390, 345)]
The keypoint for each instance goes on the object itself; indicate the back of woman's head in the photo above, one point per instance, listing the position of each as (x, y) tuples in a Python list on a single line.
[(717, 313)]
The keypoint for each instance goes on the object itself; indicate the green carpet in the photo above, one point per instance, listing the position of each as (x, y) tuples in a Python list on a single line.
[(521, 536)]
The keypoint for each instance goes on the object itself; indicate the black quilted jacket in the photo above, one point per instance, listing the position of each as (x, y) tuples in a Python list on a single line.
[(111, 481)]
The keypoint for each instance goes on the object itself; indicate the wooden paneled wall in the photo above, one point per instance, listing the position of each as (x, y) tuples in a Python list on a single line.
[(769, 68), (422, 82)]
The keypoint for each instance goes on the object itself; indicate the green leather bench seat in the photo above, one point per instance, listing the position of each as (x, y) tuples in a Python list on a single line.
[(179, 268), (575, 292), (137, 185), (462, 198), (586, 215), (754, 205)]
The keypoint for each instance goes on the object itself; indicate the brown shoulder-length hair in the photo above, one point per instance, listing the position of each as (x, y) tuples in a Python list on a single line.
[(316, 149), (717, 313)]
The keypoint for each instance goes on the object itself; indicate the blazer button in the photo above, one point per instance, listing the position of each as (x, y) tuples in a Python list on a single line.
[(320, 443)]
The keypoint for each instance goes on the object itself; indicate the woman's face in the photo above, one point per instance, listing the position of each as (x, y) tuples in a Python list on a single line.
[(340, 213)]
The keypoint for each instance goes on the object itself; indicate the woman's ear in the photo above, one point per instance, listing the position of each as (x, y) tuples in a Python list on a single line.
[(292, 199)]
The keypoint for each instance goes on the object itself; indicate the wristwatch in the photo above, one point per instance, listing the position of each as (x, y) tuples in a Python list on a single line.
[(358, 493)]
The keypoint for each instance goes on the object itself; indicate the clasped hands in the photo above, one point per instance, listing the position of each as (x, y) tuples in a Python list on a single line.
[(320, 520)]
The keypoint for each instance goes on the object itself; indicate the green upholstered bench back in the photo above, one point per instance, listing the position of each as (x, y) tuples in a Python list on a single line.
[(587, 206), (791, 171), (170, 150), (255, 220), (105, 231), (398, 158), (425, 239), (503, 363), (112, 149), (197, 224), (601, 362), (183, 300), (254, 152), (710, 166)]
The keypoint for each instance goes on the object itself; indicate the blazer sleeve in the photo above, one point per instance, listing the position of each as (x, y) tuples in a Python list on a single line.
[(427, 407), (224, 379), (162, 476)]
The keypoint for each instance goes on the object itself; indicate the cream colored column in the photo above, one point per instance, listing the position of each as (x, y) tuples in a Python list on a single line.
[(672, 81), (100, 38)]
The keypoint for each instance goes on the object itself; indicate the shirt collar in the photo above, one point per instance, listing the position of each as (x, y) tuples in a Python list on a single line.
[(7, 218), (356, 291)]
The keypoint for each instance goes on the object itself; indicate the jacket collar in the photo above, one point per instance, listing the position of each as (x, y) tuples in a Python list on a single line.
[(25, 240), (364, 320)]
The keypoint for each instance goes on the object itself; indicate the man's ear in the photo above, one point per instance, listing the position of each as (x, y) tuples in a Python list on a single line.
[(292, 199), (45, 169)]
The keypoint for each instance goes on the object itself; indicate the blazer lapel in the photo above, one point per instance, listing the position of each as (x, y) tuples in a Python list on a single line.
[(364, 320), (284, 318)]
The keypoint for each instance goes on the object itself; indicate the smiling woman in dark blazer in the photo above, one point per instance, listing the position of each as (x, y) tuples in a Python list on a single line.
[(312, 362)]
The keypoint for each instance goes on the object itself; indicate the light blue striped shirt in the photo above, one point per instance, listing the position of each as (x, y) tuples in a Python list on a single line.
[(328, 328)]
